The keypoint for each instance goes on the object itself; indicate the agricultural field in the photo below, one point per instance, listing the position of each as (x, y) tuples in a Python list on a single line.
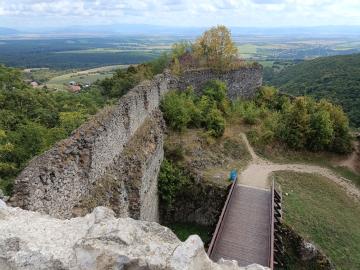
[(86, 53), (81, 53), (83, 77), (283, 49), (59, 79)]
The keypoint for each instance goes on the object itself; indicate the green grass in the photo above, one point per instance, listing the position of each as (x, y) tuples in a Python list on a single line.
[(266, 63), (247, 48), (346, 173), (321, 212), (280, 154), (184, 230)]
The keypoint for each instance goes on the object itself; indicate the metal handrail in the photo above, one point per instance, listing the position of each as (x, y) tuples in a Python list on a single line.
[(221, 219)]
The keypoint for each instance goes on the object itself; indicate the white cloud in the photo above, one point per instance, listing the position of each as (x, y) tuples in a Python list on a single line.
[(182, 12)]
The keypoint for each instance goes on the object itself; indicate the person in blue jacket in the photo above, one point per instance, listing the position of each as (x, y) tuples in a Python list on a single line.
[(233, 175)]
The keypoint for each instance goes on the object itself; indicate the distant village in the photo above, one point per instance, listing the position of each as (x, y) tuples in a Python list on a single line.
[(75, 87), (72, 86)]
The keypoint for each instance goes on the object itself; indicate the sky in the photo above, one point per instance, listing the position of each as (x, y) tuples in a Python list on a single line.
[(246, 13)]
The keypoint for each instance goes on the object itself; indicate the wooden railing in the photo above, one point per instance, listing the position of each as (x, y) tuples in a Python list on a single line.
[(221, 219), (276, 246), (272, 229)]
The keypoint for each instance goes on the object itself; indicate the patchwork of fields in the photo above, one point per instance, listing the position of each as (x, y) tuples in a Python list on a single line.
[(85, 53), (89, 76)]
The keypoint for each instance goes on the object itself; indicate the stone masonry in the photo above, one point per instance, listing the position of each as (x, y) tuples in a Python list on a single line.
[(115, 157), (241, 83)]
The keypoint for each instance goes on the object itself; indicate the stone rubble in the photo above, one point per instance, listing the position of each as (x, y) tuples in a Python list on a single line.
[(31, 240)]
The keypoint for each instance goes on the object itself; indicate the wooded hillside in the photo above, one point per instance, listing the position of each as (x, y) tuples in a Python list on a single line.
[(336, 78)]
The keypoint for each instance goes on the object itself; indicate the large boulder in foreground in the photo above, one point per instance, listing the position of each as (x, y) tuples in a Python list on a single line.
[(30, 240)]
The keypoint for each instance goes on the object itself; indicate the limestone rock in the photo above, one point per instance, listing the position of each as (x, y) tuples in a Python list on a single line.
[(308, 251), (2, 195), (30, 240)]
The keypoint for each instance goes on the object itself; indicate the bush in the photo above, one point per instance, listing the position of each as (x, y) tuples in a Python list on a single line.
[(315, 126), (217, 91), (300, 123), (215, 123), (297, 124), (69, 121), (185, 109), (321, 131), (170, 181), (247, 110), (174, 152), (176, 110)]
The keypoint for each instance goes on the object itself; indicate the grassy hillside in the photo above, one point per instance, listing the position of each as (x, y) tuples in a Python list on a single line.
[(336, 78), (322, 212)]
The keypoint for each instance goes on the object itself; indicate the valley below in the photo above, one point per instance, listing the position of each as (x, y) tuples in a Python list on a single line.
[(102, 139)]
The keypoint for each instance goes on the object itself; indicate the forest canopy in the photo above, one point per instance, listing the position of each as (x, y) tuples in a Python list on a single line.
[(335, 78)]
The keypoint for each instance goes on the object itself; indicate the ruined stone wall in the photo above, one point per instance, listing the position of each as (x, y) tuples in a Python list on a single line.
[(101, 163), (200, 203), (129, 187), (301, 254), (241, 83), (57, 181)]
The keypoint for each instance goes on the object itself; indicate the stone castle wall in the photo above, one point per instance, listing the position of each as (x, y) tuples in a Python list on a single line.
[(241, 83), (114, 158), (56, 181)]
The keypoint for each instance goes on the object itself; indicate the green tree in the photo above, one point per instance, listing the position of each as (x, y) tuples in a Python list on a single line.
[(71, 120), (321, 130), (297, 124), (341, 142), (6, 148), (29, 140)]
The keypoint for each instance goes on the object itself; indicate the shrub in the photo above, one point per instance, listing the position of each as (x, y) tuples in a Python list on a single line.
[(174, 152), (341, 141), (321, 130), (215, 123), (176, 110), (251, 113), (170, 181), (301, 123), (217, 91), (185, 109), (69, 121)]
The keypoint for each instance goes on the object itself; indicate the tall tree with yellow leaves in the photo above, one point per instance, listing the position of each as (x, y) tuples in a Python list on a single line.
[(215, 48)]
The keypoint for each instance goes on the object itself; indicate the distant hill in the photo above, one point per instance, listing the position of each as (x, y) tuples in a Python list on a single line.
[(336, 78), (8, 31), (148, 29)]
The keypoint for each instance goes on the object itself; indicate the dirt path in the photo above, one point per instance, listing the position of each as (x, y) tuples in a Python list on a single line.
[(352, 161), (258, 173)]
